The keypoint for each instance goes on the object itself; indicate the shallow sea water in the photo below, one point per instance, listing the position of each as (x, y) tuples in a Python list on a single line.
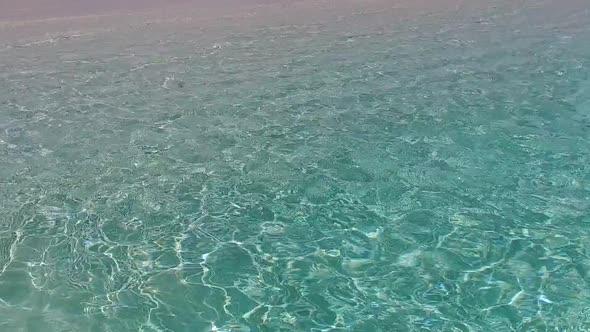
[(365, 169)]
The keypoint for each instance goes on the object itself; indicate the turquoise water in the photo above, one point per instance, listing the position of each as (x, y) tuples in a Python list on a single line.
[(370, 170)]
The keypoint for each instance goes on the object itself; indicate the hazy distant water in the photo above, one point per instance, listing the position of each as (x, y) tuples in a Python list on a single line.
[(371, 169)]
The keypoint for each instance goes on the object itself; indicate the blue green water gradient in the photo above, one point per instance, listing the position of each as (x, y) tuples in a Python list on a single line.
[(374, 170)]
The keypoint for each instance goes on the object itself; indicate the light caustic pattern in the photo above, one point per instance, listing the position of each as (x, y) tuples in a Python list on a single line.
[(366, 171)]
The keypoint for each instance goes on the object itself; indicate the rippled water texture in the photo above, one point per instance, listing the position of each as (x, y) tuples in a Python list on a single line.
[(369, 167)]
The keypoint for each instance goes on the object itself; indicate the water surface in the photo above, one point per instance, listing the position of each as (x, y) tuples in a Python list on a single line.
[(309, 167)]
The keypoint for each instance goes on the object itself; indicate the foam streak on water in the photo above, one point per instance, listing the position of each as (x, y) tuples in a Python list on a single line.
[(362, 167)]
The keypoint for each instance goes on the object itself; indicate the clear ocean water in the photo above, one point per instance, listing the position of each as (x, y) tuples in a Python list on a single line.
[(374, 166)]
